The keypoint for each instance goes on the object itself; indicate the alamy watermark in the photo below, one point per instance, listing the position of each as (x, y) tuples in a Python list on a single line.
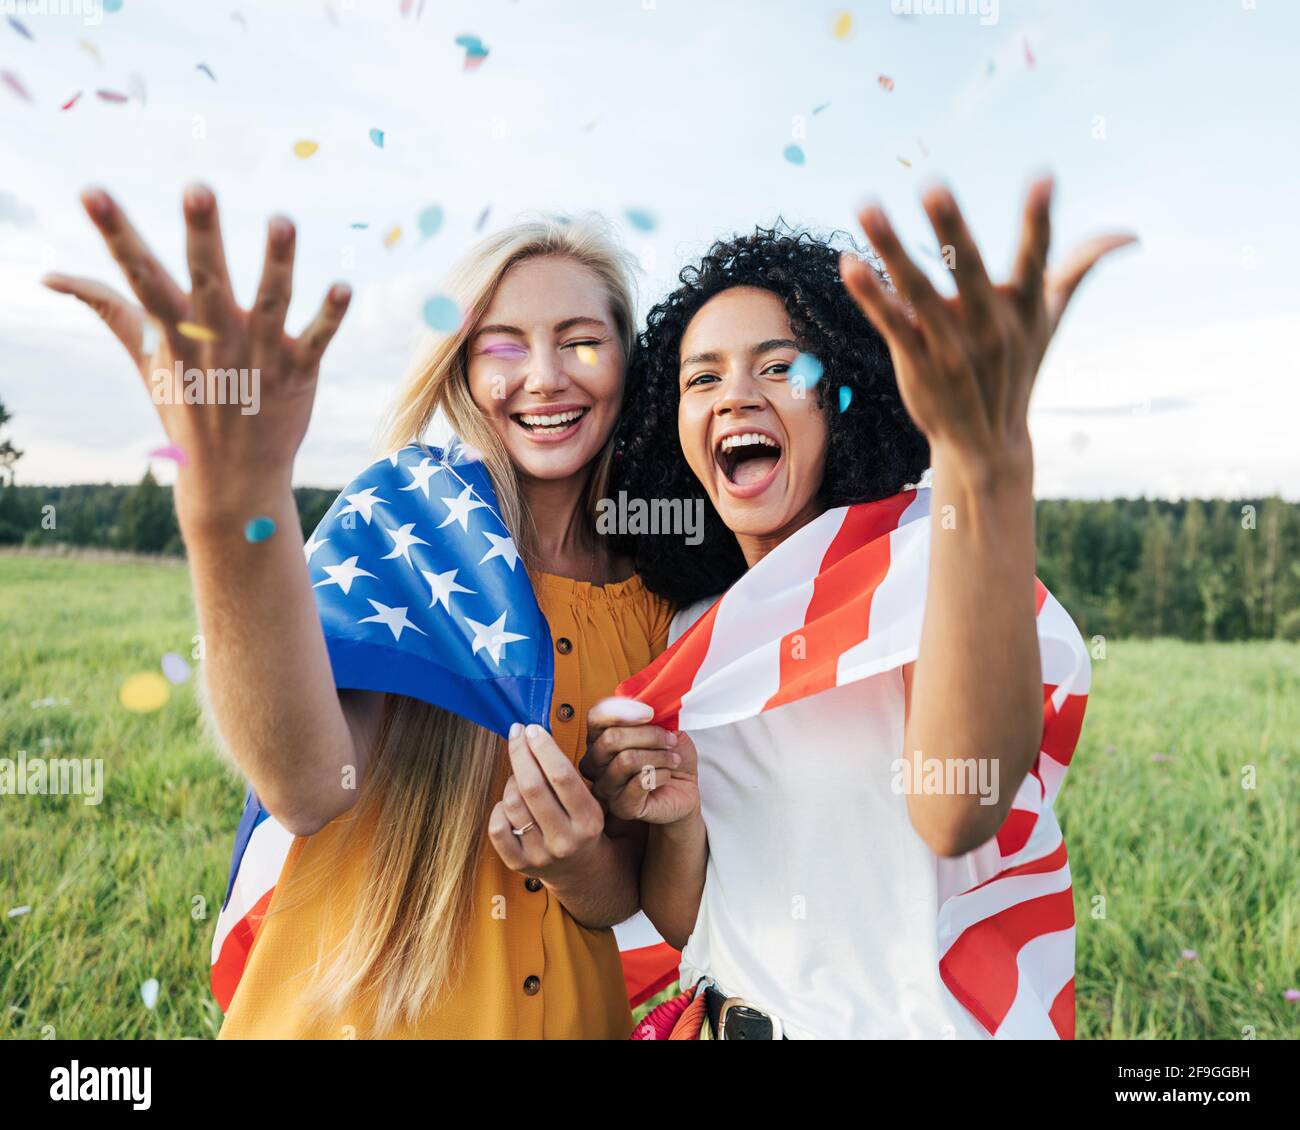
[(52, 776), (679, 517), (946, 776), (986, 10), (90, 12), (208, 386)]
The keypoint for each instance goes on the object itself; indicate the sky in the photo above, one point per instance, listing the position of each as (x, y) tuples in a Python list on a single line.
[(1174, 375)]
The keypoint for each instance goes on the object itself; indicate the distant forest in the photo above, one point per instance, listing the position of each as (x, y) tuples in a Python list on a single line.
[(1217, 570)]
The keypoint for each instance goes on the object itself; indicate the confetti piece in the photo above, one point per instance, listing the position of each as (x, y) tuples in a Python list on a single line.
[(475, 52), (71, 101), (362, 227), (793, 154), (175, 669), (136, 89), (18, 911), (331, 13), (143, 694), (586, 354), (377, 136), (806, 369), (886, 83), (640, 219), (430, 220), (406, 7), (149, 993), (20, 28), (90, 50), (1291, 995), (469, 42), (1188, 955), (112, 5), (114, 96), (172, 452), (238, 18), (482, 219), (474, 59), (394, 234), (304, 149), (846, 397), (195, 332), (442, 314), (14, 83), (905, 162), (819, 109), (259, 529), (842, 27), (1029, 55)]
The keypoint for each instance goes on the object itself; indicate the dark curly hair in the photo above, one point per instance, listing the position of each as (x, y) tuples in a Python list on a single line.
[(874, 449)]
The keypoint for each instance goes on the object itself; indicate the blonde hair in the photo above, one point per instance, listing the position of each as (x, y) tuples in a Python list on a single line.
[(427, 791)]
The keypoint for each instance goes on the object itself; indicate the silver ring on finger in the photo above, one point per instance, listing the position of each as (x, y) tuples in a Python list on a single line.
[(526, 828)]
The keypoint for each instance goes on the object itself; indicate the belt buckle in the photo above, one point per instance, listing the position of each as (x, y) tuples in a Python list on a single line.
[(750, 1023)]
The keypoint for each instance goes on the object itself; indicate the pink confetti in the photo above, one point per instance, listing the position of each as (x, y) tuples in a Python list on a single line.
[(886, 83), (14, 83), (172, 452), (111, 96), (1029, 55), (71, 101)]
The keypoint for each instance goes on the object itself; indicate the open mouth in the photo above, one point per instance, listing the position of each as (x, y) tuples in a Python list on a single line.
[(747, 459), (550, 425)]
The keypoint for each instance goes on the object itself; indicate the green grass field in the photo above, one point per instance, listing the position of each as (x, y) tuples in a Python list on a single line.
[(1183, 856)]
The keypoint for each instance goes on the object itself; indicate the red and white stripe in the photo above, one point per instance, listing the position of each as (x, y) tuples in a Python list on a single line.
[(842, 600)]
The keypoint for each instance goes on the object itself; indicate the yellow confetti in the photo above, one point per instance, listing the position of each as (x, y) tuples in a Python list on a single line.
[(304, 149), (842, 28), (905, 162), (145, 693), (394, 234), (195, 332), (586, 354)]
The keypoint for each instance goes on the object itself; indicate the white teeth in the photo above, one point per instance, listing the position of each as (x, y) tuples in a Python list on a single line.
[(558, 420), (730, 442)]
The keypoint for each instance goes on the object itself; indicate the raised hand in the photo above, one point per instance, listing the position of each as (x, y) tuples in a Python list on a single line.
[(207, 330), (966, 365)]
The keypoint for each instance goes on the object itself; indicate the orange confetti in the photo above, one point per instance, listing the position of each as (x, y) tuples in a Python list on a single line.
[(886, 83), (304, 149), (905, 162), (394, 234)]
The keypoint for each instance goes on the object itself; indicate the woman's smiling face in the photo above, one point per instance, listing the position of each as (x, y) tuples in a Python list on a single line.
[(546, 366), (757, 444)]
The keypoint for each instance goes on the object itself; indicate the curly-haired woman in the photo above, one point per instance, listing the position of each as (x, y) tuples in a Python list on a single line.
[(807, 888)]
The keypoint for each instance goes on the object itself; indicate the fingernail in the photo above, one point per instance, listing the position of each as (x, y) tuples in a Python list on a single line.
[(340, 293), (280, 229), (198, 197), (672, 738), (515, 730), (533, 730), (675, 760), (96, 202)]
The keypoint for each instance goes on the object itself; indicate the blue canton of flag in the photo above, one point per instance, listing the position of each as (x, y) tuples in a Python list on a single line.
[(421, 591)]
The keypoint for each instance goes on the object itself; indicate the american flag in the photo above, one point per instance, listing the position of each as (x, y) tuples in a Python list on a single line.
[(850, 589), (420, 592)]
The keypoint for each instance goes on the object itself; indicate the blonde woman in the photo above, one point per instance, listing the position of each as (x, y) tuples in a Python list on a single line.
[(412, 905)]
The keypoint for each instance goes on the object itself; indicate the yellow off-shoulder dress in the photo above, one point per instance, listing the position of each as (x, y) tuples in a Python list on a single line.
[(532, 973)]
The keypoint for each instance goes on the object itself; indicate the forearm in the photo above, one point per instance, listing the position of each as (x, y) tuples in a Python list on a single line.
[(976, 688), (599, 889), (266, 670), (672, 877)]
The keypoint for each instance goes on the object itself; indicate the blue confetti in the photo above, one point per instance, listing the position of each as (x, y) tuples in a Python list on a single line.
[(430, 220), (806, 369), (819, 109), (846, 397), (640, 219), (20, 28), (259, 529), (377, 136), (794, 154), (442, 314), (206, 70), (112, 5)]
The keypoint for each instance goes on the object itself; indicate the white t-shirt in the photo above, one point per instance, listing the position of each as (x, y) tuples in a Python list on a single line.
[(820, 901)]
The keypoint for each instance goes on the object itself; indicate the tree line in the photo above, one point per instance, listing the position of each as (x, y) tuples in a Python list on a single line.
[(1194, 569)]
